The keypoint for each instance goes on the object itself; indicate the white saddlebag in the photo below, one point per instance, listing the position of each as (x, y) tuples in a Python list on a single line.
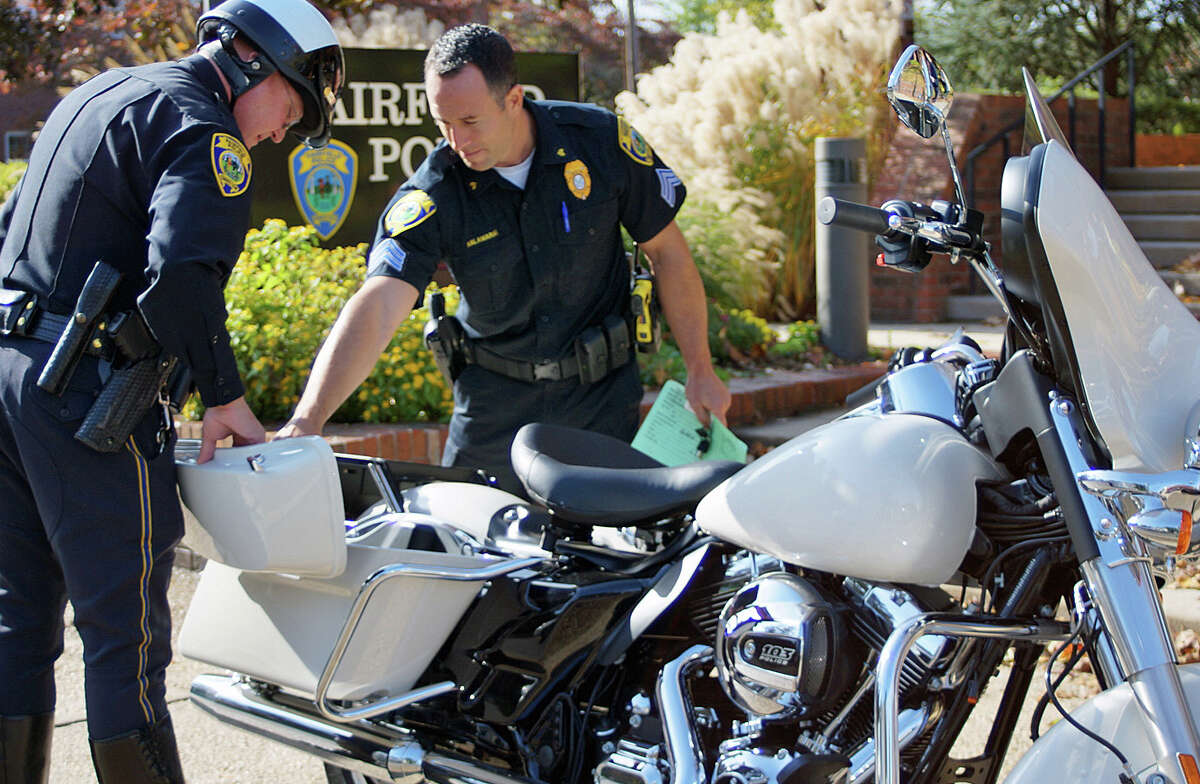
[(267, 507), (282, 629)]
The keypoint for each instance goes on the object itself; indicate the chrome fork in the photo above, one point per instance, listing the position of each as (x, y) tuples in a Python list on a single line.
[(1123, 591)]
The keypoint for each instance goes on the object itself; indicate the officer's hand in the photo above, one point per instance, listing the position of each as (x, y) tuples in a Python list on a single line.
[(296, 427), (232, 419), (707, 395)]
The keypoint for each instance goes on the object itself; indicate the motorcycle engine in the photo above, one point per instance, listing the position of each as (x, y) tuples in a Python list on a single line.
[(780, 648)]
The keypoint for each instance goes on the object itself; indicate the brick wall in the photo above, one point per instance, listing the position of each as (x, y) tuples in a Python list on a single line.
[(916, 169), (24, 109)]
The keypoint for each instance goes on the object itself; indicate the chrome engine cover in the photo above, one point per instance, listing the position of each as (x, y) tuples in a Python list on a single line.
[(778, 648)]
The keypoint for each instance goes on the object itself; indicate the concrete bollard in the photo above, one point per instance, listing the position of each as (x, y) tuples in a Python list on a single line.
[(842, 255)]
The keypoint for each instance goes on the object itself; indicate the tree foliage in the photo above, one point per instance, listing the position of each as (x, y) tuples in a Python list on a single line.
[(50, 40), (984, 44), (58, 41), (700, 16)]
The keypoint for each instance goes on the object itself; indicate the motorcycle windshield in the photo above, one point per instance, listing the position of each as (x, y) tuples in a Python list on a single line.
[(1136, 347), (1040, 125)]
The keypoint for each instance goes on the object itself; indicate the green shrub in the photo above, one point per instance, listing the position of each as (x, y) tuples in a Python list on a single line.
[(9, 174), (737, 335), (284, 296), (803, 337)]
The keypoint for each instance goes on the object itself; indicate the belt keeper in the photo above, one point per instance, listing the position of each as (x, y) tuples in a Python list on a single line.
[(19, 315)]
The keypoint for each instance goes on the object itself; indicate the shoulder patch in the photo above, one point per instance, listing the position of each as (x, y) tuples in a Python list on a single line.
[(633, 144), (231, 164), (412, 209)]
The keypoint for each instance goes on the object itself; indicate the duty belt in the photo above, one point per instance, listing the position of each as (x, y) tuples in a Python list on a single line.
[(122, 334), (599, 350)]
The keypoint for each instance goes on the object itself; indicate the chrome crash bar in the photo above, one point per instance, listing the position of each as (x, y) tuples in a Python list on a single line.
[(901, 641), (491, 570)]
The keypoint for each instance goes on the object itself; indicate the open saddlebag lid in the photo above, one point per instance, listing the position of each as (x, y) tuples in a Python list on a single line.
[(267, 507)]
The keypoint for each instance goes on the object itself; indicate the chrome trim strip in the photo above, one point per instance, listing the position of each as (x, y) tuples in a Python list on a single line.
[(683, 745), (900, 642), (491, 569)]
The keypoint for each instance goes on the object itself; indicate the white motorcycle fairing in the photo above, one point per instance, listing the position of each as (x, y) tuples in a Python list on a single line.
[(1137, 345), (1114, 716), (879, 497)]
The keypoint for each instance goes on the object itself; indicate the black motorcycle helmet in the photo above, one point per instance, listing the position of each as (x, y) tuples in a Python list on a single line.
[(294, 39)]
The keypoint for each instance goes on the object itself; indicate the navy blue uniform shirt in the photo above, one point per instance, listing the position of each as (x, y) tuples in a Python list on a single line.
[(535, 267), (145, 169)]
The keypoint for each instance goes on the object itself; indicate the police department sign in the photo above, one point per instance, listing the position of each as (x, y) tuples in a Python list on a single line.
[(381, 132)]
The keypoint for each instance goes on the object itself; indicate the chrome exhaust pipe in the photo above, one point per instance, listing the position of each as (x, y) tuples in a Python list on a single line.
[(679, 726), (355, 747), (349, 746)]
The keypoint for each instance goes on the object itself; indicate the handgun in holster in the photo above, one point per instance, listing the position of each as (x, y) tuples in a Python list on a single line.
[(140, 368), (445, 338), (647, 317)]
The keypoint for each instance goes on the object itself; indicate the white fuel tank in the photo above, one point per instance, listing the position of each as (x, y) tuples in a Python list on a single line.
[(886, 497)]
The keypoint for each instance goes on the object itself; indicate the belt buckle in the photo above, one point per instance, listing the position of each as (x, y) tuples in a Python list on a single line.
[(547, 371)]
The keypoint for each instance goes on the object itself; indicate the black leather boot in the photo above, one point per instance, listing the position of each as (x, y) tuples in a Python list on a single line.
[(144, 756), (25, 748)]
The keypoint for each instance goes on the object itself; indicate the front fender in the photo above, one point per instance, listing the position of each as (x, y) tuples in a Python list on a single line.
[(1064, 754)]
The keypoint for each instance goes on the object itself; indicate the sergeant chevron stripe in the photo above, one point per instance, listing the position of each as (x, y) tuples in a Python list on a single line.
[(667, 182)]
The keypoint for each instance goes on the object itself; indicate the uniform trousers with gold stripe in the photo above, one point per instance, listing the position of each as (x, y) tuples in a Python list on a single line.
[(96, 529)]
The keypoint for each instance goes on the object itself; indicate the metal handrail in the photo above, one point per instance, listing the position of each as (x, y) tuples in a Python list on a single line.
[(1069, 89)]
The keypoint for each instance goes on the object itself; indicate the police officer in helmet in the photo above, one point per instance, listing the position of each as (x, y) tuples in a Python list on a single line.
[(114, 250)]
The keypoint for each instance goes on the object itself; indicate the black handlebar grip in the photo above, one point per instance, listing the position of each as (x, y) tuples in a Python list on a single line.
[(93, 299), (853, 215)]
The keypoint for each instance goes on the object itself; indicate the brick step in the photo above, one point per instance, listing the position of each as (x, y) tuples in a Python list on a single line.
[(1156, 202), (1153, 177), (1178, 228), (1167, 253)]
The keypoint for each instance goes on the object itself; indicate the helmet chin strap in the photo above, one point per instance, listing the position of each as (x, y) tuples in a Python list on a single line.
[(242, 75)]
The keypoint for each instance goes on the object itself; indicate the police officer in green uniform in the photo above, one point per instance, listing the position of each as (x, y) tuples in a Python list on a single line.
[(147, 170), (524, 201)]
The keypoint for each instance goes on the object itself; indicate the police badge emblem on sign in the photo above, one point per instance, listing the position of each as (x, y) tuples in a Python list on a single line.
[(231, 164), (323, 181)]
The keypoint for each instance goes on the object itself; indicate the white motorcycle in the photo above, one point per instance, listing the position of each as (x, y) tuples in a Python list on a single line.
[(796, 626)]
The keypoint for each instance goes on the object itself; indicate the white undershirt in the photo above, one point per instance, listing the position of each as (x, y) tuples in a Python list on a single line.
[(518, 175)]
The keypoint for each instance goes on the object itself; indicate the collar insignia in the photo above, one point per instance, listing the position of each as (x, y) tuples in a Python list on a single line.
[(579, 181), (633, 144), (412, 209), (323, 183), (230, 163)]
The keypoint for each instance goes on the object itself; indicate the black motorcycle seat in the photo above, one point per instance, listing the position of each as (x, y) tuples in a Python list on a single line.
[(594, 479)]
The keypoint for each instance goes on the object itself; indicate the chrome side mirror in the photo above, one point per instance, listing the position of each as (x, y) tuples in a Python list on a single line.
[(920, 91)]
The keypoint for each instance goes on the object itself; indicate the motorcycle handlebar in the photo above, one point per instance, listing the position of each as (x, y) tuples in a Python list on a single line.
[(853, 215)]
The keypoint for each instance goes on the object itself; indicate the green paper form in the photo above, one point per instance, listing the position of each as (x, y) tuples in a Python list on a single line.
[(671, 433)]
